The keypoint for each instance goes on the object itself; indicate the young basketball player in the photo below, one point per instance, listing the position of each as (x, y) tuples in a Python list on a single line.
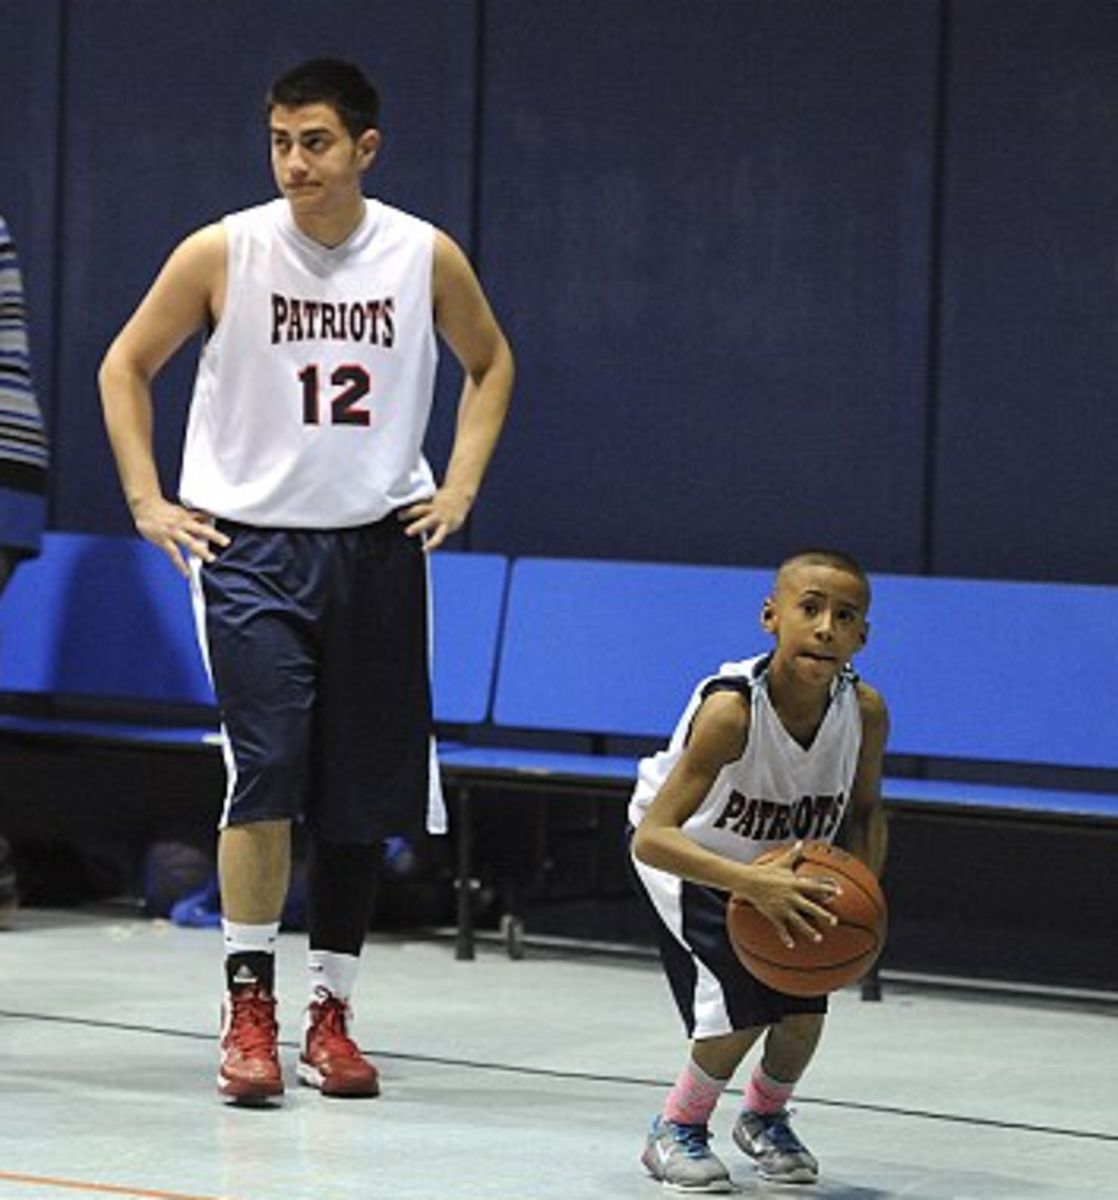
[(303, 512), (774, 750)]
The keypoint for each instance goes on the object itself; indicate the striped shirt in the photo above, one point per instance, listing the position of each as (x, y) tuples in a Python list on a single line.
[(23, 444)]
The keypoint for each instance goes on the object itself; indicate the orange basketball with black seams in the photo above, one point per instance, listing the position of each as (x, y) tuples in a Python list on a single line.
[(847, 950)]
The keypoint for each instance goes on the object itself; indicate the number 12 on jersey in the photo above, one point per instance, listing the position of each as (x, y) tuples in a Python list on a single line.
[(345, 403)]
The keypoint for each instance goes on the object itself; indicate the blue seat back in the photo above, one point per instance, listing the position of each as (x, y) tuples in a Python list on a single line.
[(971, 669), (996, 670), (467, 602), (101, 616), (105, 617), (617, 647)]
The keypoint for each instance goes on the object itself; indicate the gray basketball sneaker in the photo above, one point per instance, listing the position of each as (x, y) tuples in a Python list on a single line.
[(780, 1156), (680, 1158)]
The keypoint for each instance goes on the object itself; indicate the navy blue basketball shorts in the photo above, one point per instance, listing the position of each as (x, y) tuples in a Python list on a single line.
[(317, 643), (713, 991)]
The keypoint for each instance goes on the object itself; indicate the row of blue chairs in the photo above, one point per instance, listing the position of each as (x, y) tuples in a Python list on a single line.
[(551, 676), (97, 640), (999, 691)]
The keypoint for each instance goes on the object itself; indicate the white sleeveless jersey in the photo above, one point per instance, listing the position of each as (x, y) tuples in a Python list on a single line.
[(313, 393), (778, 791)]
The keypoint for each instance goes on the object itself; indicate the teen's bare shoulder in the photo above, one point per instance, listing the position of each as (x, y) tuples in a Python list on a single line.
[(196, 271), (206, 246)]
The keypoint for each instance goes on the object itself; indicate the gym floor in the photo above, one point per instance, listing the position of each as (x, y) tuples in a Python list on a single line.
[(508, 1080)]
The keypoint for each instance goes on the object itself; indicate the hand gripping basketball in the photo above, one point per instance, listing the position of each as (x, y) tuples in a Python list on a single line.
[(846, 951)]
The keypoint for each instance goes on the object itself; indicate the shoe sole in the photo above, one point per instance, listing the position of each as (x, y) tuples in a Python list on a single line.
[(312, 1077), (707, 1189), (715, 1188), (254, 1098), (722, 1188), (789, 1180), (248, 1095)]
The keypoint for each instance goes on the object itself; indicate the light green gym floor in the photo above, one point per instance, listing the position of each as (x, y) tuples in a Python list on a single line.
[(503, 1080)]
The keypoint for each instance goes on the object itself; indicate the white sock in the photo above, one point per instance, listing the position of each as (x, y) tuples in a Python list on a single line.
[(331, 972), (257, 941), (249, 939)]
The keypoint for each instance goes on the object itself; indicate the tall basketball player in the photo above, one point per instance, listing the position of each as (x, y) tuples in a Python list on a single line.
[(303, 513)]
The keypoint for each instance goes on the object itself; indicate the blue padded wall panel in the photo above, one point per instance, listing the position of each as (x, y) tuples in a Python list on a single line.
[(708, 226), (1025, 482), (165, 132)]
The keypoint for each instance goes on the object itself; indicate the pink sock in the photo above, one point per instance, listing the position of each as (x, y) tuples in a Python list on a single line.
[(763, 1094), (694, 1096)]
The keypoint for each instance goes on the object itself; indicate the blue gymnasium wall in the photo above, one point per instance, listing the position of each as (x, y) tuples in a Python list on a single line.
[(1027, 402), (710, 223), (775, 273)]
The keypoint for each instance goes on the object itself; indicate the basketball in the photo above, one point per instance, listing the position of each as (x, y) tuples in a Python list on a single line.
[(847, 951)]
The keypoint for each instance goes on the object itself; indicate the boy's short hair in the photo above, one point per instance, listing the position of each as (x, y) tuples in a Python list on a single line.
[(837, 559), (329, 81)]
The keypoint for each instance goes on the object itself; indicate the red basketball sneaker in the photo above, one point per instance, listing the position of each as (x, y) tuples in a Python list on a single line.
[(250, 1071), (331, 1060)]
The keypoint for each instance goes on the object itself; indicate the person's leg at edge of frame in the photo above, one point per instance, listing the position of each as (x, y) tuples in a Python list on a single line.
[(254, 867), (341, 885), (677, 1151), (763, 1129)]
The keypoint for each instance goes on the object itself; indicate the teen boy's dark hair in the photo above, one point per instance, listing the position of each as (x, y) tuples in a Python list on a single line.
[(329, 81)]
